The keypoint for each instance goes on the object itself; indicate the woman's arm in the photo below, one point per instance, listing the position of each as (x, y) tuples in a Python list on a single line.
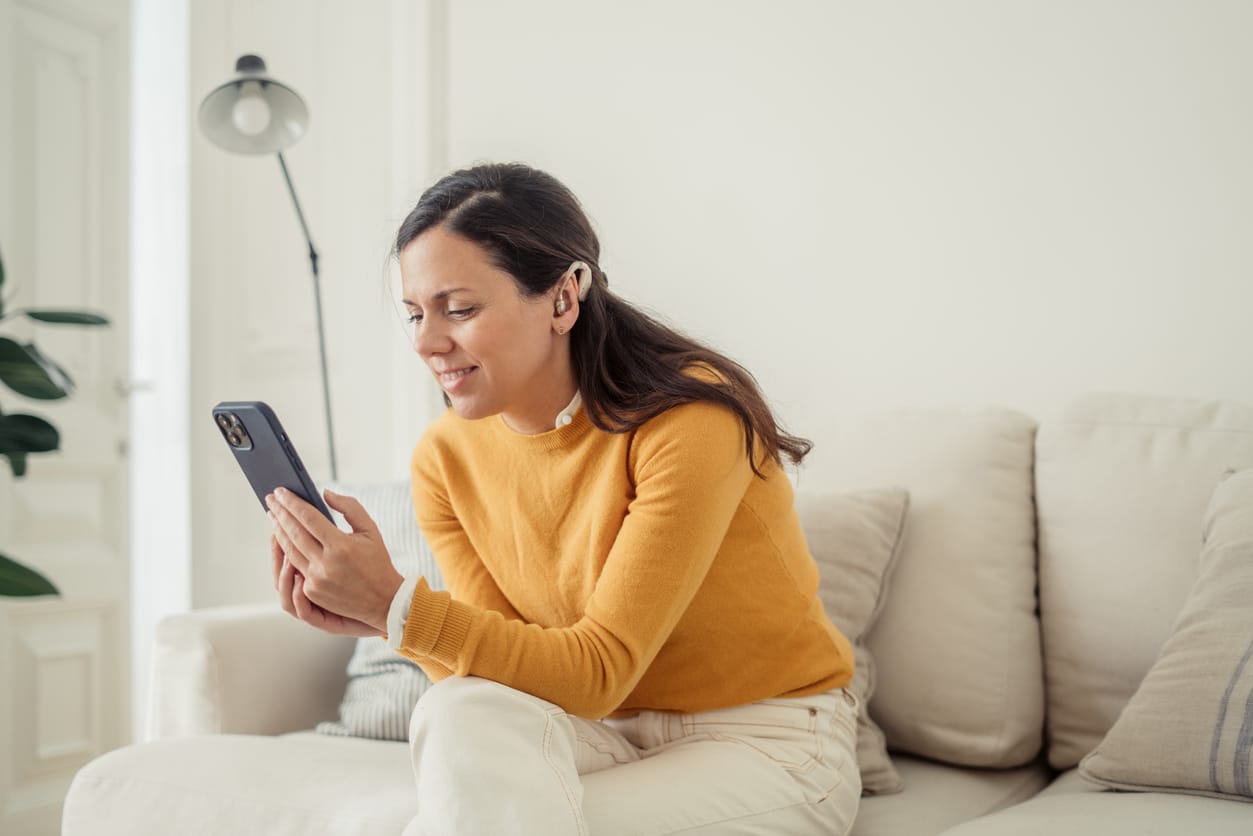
[(464, 574), (344, 582), (691, 471)]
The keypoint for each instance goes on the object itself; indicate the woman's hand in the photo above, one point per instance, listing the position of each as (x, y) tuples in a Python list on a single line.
[(290, 586), (340, 582)]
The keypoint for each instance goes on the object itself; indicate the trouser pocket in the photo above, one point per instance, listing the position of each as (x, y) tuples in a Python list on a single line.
[(788, 732)]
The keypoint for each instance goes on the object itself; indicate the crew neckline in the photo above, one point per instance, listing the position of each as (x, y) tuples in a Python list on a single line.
[(568, 425)]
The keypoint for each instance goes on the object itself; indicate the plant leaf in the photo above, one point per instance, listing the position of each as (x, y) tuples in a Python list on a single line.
[(54, 369), (16, 579), (17, 463), (60, 317), (25, 370), (27, 434)]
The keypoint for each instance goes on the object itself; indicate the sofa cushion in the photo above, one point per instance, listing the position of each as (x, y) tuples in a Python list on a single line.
[(1189, 727), (957, 647), (937, 796), (1075, 807), (296, 785), (1121, 487), (383, 686), (855, 539)]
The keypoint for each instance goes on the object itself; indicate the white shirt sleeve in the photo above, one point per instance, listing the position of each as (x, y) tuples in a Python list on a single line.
[(399, 611)]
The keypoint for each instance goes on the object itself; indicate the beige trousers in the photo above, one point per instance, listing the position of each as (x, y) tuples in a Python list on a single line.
[(490, 761)]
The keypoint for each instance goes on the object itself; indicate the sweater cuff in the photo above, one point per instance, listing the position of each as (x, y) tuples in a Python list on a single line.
[(437, 626), (398, 612)]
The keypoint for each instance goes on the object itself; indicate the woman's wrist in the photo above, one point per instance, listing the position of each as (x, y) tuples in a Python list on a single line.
[(398, 610)]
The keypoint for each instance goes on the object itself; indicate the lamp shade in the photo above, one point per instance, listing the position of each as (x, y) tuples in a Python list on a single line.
[(252, 113)]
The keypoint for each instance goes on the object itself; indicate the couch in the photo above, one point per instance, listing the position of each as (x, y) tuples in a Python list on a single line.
[(1056, 638)]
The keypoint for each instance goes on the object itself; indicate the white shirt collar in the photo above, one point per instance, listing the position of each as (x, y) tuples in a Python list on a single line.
[(565, 416)]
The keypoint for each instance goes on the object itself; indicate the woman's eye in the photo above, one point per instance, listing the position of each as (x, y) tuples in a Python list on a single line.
[(415, 318), (461, 313)]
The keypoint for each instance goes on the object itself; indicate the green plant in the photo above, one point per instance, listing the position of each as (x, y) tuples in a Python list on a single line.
[(28, 372)]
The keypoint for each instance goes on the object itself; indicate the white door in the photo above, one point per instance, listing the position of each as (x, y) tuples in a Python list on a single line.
[(63, 235)]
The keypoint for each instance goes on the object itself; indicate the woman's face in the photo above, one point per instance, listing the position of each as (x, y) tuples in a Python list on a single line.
[(491, 349)]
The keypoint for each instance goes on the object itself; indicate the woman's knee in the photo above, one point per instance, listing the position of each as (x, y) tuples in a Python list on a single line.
[(458, 690), (467, 702)]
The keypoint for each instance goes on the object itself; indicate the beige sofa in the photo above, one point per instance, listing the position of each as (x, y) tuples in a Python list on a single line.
[(1049, 582)]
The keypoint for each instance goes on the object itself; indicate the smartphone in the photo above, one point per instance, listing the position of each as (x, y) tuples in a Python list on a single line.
[(264, 451)]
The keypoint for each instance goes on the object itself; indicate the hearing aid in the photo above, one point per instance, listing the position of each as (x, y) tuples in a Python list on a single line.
[(584, 274)]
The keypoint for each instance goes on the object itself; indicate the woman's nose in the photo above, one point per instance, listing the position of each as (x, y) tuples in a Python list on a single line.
[(429, 339)]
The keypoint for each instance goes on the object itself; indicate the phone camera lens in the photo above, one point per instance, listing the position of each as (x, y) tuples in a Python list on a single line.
[(234, 438), (222, 422)]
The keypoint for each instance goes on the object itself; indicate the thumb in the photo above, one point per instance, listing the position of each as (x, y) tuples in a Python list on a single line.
[(354, 513)]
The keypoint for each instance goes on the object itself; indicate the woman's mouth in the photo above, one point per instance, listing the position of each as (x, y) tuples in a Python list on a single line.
[(454, 379)]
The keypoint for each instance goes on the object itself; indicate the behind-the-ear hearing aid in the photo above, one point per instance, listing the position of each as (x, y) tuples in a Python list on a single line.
[(584, 274), (580, 269)]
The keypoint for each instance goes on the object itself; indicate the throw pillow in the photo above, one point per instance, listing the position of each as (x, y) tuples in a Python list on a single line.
[(855, 539), (957, 646), (383, 686), (1189, 726)]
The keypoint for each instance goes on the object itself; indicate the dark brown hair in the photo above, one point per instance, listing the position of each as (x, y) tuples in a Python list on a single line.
[(629, 367)]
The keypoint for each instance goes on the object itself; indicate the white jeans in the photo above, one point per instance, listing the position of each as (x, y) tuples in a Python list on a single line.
[(490, 761)]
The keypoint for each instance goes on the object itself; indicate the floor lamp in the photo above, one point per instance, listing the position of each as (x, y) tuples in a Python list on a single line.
[(254, 114)]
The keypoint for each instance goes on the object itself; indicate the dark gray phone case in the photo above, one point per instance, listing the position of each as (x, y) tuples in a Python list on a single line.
[(270, 460)]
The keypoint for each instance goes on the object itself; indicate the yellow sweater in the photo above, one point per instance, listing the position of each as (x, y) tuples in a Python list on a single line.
[(611, 573)]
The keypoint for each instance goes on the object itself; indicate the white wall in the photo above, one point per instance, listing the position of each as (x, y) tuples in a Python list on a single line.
[(873, 204), (869, 204), (357, 172)]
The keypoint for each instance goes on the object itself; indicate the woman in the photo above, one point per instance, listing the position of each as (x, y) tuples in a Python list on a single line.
[(631, 640)]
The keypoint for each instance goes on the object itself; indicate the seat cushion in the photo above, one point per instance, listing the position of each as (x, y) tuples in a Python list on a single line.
[(278, 786), (938, 796), (1075, 807), (245, 784)]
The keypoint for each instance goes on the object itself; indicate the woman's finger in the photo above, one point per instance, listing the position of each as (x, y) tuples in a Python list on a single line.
[(318, 526), (297, 533), (306, 610), (354, 512), (293, 555), (286, 582), (276, 558)]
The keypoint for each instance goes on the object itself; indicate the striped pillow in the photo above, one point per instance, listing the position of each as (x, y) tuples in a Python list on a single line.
[(383, 686), (1189, 726)]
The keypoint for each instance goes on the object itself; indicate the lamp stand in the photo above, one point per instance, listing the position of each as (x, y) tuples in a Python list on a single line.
[(317, 300)]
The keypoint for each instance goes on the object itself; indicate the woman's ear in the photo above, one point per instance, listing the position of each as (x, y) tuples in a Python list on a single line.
[(566, 305)]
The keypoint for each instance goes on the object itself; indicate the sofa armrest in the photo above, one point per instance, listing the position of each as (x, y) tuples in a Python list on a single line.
[(246, 669)]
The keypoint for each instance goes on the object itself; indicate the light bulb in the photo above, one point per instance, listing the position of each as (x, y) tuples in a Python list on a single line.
[(251, 114)]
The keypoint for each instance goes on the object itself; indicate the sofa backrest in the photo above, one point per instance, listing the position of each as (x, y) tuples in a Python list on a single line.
[(1122, 483), (957, 646)]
